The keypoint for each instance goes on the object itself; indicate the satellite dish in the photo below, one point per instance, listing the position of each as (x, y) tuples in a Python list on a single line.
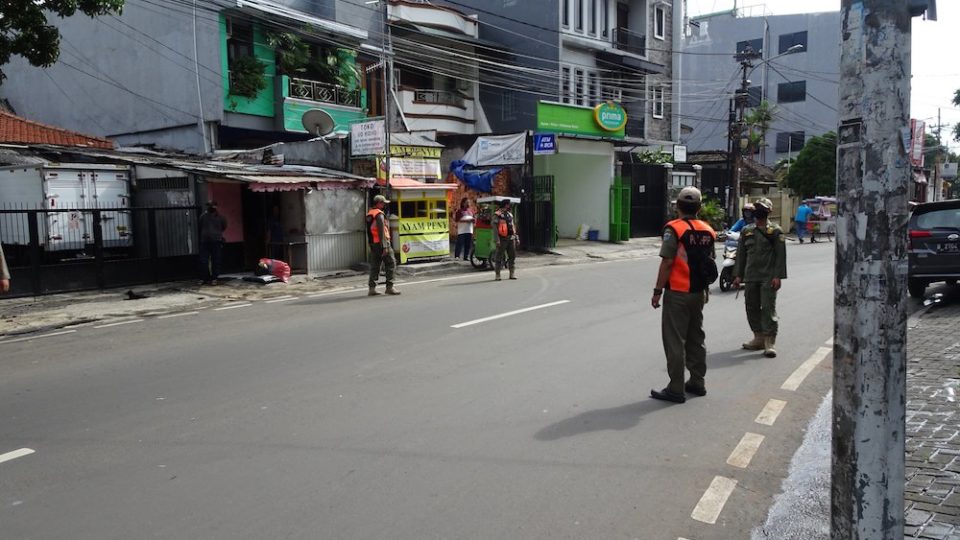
[(318, 122)]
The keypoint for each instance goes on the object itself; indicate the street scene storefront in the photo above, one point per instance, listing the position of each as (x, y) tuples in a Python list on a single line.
[(419, 223)]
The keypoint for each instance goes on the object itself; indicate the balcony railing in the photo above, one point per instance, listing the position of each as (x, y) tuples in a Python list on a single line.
[(324, 92), (628, 41), (439, 97)]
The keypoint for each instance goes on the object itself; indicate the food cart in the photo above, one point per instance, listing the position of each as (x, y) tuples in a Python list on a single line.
[(484, 246), (419, 223), (824, 217)]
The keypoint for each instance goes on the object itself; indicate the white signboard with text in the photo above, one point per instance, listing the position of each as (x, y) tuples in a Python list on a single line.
[(367, 138)]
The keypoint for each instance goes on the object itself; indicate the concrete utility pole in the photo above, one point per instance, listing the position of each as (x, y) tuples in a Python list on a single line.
[(386, 49), (873, 179), (736, 123)]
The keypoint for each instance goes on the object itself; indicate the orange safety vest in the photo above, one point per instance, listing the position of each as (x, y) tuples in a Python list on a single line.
[(373, 234), (692, 234)]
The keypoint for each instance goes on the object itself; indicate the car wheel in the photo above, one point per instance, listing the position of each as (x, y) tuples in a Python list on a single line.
[(916, 288)]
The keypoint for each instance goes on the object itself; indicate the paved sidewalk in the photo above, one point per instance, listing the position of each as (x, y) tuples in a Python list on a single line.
[(932, 492), (37, 314), (933, 423)]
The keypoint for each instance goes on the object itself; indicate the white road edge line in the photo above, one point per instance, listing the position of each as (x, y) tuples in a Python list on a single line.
[(281, 299), (120, 323), (793, 382), (233, 306), (31, 338), (711, 504), (745, 450), (16, 454), (508, 314), (770, 412), (184, 314)]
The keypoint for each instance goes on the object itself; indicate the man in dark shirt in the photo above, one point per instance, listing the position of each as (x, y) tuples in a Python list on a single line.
[(212, 226)]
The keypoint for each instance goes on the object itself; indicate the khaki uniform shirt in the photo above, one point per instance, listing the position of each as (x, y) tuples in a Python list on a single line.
[(761, 254)]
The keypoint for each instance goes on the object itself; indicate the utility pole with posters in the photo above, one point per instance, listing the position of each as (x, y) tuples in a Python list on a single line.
[(737, 126), (873, 181)]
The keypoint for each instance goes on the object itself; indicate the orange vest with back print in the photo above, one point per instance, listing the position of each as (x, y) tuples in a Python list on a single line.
[(693, 235), (373, 233)]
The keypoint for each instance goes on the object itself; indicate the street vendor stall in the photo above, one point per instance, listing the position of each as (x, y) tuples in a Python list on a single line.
[(824, 217), (420, 226)]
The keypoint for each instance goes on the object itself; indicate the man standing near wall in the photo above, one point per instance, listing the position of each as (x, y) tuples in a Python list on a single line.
[(212, 226)]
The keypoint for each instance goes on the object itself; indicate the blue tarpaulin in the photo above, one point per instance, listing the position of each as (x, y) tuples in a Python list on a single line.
[(476, 180)]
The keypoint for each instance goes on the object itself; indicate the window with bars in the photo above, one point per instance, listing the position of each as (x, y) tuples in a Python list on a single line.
[(565, 84), (592, 89), (578, 87)]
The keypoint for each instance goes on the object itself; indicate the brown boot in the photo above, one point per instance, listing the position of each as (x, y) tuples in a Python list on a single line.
[(755, 344), (391, 291), (373, 292), (513, 275), (769, 344)]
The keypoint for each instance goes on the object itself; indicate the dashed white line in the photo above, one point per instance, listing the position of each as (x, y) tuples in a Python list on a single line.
[(770, 412), (713, 500), (119, 323), (508, 314), (280, 299), (31, 338), (232, 306), (16, 454), (745, 450), (793, 382), (173, 315)]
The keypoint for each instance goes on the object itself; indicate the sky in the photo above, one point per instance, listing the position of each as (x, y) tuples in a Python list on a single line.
[(936, 73)]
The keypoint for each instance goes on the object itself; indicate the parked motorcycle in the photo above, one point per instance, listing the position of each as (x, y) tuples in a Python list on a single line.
[(731, 239)]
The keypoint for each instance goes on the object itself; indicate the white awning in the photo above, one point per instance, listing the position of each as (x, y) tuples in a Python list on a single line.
[(278, 10)]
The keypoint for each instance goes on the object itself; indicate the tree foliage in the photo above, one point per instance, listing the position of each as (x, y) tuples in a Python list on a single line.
[(758, 123), (815, 170), (25, 31), (956, 128)]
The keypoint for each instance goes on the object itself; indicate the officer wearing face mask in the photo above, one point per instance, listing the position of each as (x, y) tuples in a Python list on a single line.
[(761, 265)]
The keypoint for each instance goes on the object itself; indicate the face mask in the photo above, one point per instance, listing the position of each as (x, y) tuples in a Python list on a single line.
[(748, 215), (761, 213)]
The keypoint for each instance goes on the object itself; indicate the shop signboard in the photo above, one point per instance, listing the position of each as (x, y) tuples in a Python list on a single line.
[(544, 144), (426, 152), (423, 238), (410, 168), (679, 153), (367, 138), (605, 120)]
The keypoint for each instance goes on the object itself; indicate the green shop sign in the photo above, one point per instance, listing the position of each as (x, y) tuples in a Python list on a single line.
[(605, 120)]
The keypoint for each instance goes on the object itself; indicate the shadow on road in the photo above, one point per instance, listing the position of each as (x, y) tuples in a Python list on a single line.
[(732, 358), (617, 418)]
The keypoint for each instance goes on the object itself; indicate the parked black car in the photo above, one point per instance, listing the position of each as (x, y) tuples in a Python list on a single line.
[(934, 245)]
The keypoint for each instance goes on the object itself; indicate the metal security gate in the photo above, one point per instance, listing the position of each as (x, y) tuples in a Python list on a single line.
[(648, 198), (537, 225), (619, 211)]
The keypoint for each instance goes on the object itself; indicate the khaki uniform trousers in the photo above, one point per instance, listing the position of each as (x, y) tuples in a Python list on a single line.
[(684, 341)]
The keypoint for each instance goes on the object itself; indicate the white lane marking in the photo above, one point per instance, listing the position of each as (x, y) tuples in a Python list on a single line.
[(232, 306), (770, 412), (31, 338), (280, 299), (332, 293), (120, 323), (16, 454), (745, 450), (184, 314), (711, 504), (793, 382), (508, 314)]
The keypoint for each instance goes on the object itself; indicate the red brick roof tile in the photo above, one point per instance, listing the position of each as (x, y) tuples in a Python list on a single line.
[(17, 130)]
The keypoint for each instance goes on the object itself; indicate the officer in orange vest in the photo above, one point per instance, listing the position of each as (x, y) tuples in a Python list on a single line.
[(378, 235), (683, 282), (506, 237)]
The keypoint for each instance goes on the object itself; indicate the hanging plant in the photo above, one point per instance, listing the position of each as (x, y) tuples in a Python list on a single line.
[(246, 77)]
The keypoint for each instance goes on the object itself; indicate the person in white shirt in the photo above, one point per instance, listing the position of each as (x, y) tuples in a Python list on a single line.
[(464, 217)]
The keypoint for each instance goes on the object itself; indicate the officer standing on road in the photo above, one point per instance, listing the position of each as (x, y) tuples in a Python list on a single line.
[(761, 265), (505, 233), (381, 253), (683, 281)]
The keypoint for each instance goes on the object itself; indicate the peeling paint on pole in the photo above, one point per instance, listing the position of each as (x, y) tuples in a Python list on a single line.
[(873, 175)]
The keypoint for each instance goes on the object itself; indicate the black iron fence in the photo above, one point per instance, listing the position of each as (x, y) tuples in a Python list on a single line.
[(51, 251)]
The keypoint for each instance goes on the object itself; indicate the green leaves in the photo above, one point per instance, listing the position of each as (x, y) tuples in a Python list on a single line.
[(815, 170), (246, 77), (25, 31)]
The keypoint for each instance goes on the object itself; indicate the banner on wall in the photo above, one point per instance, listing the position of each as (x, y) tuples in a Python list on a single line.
[(498, 150), (410, 168), (423, 238)]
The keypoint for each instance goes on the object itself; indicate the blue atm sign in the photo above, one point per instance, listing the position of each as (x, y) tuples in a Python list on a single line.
[(544, 144)]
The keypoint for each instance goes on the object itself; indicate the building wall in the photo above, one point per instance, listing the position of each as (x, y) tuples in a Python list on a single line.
[(130, 74), (661, 52), (704, 77)]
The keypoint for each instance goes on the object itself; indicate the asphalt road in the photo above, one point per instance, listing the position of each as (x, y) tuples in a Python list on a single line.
[(343, 416)]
